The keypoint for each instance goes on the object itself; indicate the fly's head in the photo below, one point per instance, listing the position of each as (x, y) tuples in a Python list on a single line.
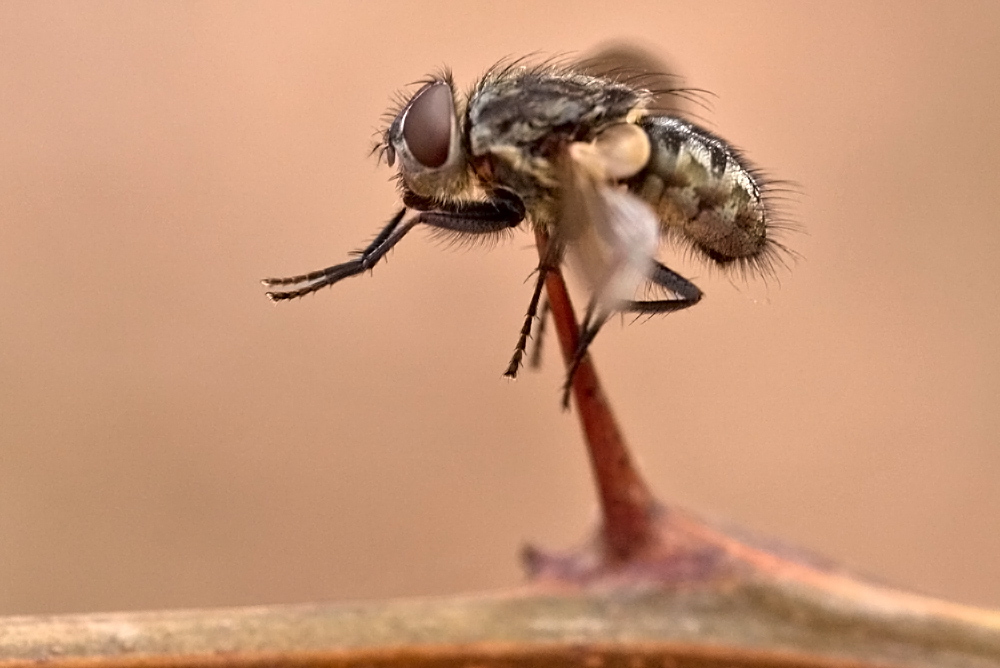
[(426, 137)]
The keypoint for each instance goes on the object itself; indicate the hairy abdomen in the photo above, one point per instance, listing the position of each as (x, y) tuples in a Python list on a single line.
[(702, 190)]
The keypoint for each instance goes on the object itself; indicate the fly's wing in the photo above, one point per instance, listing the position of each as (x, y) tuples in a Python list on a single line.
[(633, 65), (709, 195), (610, 235)]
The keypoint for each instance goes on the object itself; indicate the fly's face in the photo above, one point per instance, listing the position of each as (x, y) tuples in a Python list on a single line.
[(591, 160), (426, 138)]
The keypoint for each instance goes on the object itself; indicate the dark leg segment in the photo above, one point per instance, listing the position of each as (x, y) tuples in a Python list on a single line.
[(552, 260), (522, 340), (465, 217), (687, 293), (588, 332), (536, 351), (367, 259), (504, 209)]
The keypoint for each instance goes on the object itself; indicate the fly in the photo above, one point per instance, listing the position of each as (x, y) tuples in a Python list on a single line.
[(586, 154)]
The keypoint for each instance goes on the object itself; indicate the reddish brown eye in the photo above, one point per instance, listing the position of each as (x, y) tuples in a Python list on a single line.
[(427, 124)]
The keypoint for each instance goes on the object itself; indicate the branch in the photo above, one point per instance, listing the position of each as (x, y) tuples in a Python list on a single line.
[(657, 586), (750, 624)]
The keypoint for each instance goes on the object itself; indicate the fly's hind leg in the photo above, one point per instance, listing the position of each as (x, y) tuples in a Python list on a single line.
[(688, 294), (592, 323)]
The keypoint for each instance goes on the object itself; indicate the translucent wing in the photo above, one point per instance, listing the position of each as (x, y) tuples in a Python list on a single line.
[(610, 235), (621, 61)]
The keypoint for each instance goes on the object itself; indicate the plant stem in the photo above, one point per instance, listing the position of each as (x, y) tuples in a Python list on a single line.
[(627, 505)]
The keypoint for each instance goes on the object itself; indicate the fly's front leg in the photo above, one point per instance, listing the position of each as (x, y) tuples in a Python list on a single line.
[(366, 259), (502, 211), (476, 217)]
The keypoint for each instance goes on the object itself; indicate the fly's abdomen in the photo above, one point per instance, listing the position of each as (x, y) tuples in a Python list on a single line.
[(702, 191)]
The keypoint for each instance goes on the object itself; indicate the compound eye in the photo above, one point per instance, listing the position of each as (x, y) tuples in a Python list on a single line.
[(427, 124)]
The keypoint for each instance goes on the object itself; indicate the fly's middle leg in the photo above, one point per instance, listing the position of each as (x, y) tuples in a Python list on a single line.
[(536, 353), (547, 264)]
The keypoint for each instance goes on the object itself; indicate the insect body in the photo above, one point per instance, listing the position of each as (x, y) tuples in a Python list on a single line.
[(588, 160)]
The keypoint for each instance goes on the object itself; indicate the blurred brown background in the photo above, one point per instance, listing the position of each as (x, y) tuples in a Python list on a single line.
[(169, 438)]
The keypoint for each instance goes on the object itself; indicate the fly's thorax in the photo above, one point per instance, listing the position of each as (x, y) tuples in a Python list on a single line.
[(526, 106), (519, 119), (702, 190)]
